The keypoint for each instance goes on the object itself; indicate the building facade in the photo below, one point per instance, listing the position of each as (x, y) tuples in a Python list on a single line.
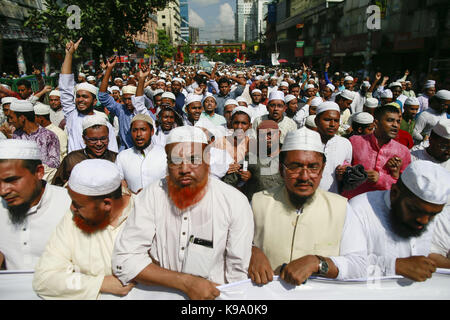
[(194, 35), (169, 20), (184, 13)]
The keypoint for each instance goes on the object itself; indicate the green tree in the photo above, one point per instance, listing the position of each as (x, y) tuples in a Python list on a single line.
[(164, 49), (105, 25)]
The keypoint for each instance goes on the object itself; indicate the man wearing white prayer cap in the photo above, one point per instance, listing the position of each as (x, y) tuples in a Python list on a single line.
[(386, 97), (309, 108), (323, 217), (429, 90), (284, 87), (362, 124), (310, 122), (118, 82), (91, 80), (242, 101), (6, 102), (327, 91), (188, 231), (56, 112), (98, 213), (398, 223), (116, 93), (410, 110), (258, 109), (408, 91), (76, 107), (168, 98), (291, 104), (209, 106), (338, 150), (348, 83), (30, 209), (397, 96), (81, 77), (438, 106), (276, 108), (370, 105), (344, 99), (193, 109)]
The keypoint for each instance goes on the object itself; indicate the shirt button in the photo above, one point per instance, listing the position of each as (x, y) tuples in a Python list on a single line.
[(24, 243), (24, 229), (182, 248), (184, 233), (185, 218)]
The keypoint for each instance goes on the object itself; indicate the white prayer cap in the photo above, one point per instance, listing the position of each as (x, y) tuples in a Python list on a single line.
[(284, 84), (90, 78), (412, 101), (19, 149), (94, 120), (186, 134), (242, 109), (192, 98), (429, 84), (231, 101), (21, 106), (273, 78), (256, 91), (41, 109), (362, 118), (303, 139), (327, 106), (88, 87), (143, 117), (443, 94), (241, 99), (161, 80), (371, 103), (168, 83), (400, 80), (168, 95), (95, 177), (395, 84), (81, 74), (309, 86), (310, 121), (6, 100), (317, 101), (55, 93), (208, 95), (115, 88), (428, 181), (332, 88), (276, 95), (258, 78), (348, 78), (288, 98), (129, 90), (386, 94), (118, 79), (178, 80), (442, 128), (131, 76), (347, 94), (366, 84)]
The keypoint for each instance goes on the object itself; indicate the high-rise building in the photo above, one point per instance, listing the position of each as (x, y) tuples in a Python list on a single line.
[(184, 12), (249, 19), (194, 35), (169, 20)]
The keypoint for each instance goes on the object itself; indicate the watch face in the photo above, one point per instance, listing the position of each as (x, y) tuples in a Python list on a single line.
[(323, 267)]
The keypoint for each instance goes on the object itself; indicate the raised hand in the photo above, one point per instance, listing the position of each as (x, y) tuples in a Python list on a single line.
[(111, 62), (144, 72), (378, 76), (71, 47)]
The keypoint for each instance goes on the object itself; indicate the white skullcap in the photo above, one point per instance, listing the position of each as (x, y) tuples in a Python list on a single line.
[(169, 95), (442, 128), (284, 84), (168, 83), (115, 88), (257, 78), (192, 98), (331, 87), (327, 106), (366, 84), (428, 181), (94, 120), (289, 98), (303, 139), (178, 80), (241, 99), (395, 84), (347, 94), (88, 87), (129, 90), (386, 94), (310, 121), (231, 101), (243, 109), (186, 134), (21, 106), (55, 93), (95, 177), (443, 94), (256, 91), (371, 103), (309, 86), (276, 95), (19, 149), (6, 100), (429, 84), (400, 80), (143, 117), (362, 118), (118, 79), (161, 80), (348, 78), (208, 95), (273, 77), (81, 74), (41, 109), (131, 76), (90, 78), (317, 101), (412, 101), (157, 91)]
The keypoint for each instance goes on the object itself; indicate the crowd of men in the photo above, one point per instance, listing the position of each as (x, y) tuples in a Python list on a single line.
[(189, 179)]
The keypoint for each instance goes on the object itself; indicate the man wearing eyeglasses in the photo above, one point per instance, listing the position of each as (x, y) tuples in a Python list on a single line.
[(96, 138), (301, 229)]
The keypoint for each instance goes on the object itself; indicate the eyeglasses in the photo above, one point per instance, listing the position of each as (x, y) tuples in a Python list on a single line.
[(193, 161), (296, 168), (94, 140)]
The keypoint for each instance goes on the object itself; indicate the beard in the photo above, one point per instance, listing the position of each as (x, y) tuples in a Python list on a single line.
[(184, 197), (88, 226), (399, 227), (18, 214), (143, 147)]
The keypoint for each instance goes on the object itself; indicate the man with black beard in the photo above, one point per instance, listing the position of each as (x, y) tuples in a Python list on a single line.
[(397, 223), (30, 209), (76, 263), (145, 162)]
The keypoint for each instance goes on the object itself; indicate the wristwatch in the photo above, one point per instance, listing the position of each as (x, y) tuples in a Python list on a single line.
[(323, 266)]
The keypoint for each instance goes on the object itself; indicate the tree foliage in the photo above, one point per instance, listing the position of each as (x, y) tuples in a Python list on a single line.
[(105, 25), (164, 49)]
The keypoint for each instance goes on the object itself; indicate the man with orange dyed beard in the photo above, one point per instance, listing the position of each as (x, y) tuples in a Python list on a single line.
[(187, 231)]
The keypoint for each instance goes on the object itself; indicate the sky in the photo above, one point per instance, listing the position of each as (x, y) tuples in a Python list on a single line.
[(214, 18)]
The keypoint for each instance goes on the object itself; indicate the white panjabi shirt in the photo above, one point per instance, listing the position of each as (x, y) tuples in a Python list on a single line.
[(158, 228), (22, 245), (140, 171), (441, 237)]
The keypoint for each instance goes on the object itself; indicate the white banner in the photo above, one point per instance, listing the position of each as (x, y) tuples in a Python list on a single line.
[(275, 59)]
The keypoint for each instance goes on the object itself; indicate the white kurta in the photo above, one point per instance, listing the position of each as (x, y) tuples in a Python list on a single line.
[(74, 263), (139, 171), (22, 245), (160, 137), (158, 227), (383, 245), (258, 111), (426, 121), (441, 237), (338, 151), (62, 137), (422, 154)]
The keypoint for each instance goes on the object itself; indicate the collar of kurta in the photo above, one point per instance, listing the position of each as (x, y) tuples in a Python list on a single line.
[(374, 142), (145, 151), (283, 196), (41, 203)]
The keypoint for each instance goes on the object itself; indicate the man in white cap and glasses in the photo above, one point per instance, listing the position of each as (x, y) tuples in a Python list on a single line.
[(276, 109), (76, 263), (187, 231), (96, 138), (398, 223), (56, 112), (429, 90), (145, 162), (30, 209), (438, 106), (76, 108), (301, 229)]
